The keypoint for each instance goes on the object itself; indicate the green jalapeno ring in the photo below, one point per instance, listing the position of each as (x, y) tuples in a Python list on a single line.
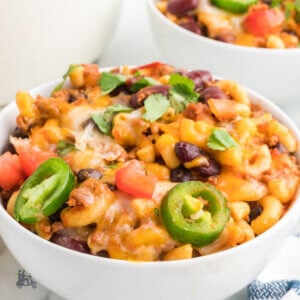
[(204, 230), (45, 191), (234, 6)]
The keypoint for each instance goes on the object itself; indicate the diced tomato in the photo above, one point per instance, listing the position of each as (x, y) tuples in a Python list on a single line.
[(155, 69), (11, 174), (262, 21), (30, 159), (133, 180)]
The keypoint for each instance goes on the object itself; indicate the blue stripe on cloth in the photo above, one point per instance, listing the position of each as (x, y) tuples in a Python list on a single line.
[(258, 290), (297, 235)]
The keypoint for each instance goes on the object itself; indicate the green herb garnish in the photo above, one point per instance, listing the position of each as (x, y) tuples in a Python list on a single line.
[(220, 139), (182, 92), (65, 76), (156, 105), (156, 211), (63, 148), (143, 82), (104, 120), (275, 3), (109, 81)]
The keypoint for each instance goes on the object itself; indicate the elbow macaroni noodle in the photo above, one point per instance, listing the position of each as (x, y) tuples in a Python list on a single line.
[(261, 170)]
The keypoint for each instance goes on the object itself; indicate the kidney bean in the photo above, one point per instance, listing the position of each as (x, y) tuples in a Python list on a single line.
[(70, 242), (212, 169), (201, 78), (181, 7), (180, 174), (84, 174), (212, 92), (255, 210), (137, 99), (186, 151), (226, 37), (191, 25)]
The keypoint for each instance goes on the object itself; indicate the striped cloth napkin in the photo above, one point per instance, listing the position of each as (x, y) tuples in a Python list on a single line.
[(281, 278)]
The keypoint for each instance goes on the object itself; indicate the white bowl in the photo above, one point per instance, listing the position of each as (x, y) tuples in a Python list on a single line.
[(272, 72), (40, 39), (75, 275)]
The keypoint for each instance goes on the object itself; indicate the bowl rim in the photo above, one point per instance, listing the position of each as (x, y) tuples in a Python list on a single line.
[(226, 46), (292, 212)]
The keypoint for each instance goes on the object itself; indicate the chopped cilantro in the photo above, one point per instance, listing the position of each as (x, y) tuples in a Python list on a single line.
[(156, 105), (220, 139), (182, 92), (65, 76), (109, 81), (275, 3), (137, 74), (63, 148), (288, 10), (143, 82), (104, 120)]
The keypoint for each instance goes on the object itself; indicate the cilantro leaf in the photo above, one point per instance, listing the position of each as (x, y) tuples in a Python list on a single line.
[(63, 148), (143, 82), (220, 139), (182, 92), (109, 81), (104, 120), (65, 76), (185, 92), (137, 74), (288, 10), (275, 3), (176, 79), (178, 102), (156, 105)]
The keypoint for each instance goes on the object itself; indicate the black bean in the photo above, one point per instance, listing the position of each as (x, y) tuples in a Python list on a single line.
[(190, 25), (103, 253), (84, 174), (212, 169), (255, 210), (120, 89), (180, 174), (212, 92), (20, 133), (55, 217), (201, 78), (186, 151), (70, 242), (137, 99), (9, 147), (181, 7), (112, 187)]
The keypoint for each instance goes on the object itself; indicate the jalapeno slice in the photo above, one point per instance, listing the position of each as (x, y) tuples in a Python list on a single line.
[(234, 6), (195, 212), (45, 191)]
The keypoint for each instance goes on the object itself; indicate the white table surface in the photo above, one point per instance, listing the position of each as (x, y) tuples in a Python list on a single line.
[(132, 44)]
